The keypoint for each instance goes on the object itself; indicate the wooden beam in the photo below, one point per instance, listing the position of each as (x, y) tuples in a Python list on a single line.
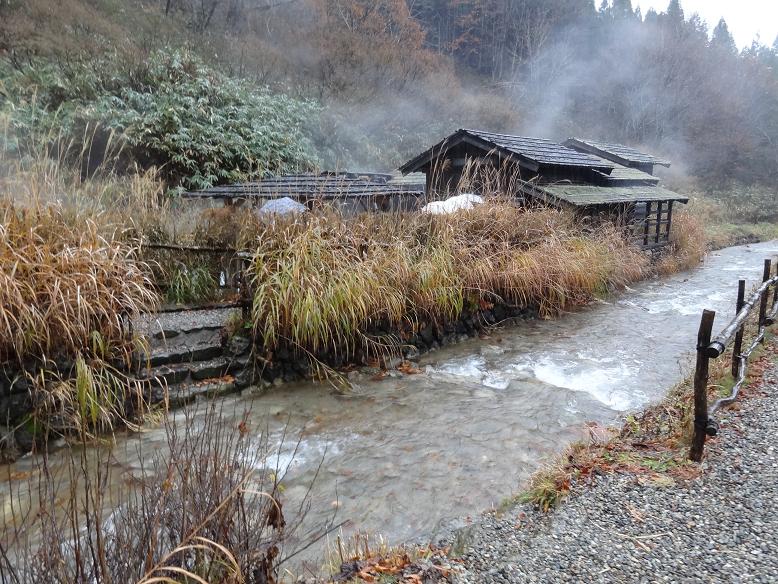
[(658, 222)]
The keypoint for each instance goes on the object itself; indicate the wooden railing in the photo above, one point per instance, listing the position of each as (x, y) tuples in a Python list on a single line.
[(732, 335)]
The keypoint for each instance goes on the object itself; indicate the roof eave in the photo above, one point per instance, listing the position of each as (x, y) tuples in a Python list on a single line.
[(586, 147)]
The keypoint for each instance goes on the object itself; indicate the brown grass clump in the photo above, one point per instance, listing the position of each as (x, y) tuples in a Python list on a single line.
[(688, 244), (62, 283), (360, 558), (323, 282), (204, 507)]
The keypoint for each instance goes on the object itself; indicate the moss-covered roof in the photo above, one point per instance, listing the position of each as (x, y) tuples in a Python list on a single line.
[(589, 195), (625, 175)]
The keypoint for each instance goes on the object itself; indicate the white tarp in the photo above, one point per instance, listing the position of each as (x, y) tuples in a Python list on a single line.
[(282, 206), (453, 204)]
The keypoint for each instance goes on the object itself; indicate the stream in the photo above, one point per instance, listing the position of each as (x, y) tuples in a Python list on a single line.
[(414, 455)]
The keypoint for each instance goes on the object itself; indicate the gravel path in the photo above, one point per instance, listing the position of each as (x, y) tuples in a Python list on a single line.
[(720, 527)]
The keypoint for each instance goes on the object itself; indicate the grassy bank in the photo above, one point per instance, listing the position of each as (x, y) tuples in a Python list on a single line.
[(68, 294), (734, 215), (327, 288), (325, 284)]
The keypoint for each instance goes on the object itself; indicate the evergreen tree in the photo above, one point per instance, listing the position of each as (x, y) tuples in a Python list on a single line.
[(675, 12), (722, 38), (623, 9)]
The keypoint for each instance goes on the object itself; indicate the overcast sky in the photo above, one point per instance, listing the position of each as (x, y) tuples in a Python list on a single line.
[(745, 18)]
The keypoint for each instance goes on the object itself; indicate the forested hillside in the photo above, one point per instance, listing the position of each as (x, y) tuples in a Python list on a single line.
[(376, 81)]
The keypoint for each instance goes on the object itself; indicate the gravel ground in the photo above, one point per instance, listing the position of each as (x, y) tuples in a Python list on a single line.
[(719, 527)]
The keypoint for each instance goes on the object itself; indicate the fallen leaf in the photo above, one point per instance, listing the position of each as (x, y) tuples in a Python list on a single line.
[(656, 480)]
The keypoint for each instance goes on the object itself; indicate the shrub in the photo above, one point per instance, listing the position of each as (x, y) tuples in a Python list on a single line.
[(198, 126)]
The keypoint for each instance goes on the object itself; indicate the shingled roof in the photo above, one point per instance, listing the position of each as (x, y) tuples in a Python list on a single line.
[(326, 185), (626, 176), (532, 153), (563, 193), (615, 152)]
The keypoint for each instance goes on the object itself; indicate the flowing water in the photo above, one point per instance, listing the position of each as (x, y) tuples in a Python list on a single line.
[(410, 456)]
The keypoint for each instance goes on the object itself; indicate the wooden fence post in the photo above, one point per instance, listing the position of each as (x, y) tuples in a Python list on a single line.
[(775, 289), (738, 346), (768, 268), (701, 386)]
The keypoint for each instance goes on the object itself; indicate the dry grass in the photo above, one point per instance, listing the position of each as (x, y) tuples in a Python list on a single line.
[(72, 280), (727, 221), (323, 282), (63, 283), (203, 508), (688, 244), (361, 558)]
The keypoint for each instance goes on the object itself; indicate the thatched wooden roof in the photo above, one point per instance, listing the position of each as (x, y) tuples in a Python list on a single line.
[(625, 176)]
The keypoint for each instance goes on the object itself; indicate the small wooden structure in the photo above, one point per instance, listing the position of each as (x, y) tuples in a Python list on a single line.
[(591, 178), (348, 192)]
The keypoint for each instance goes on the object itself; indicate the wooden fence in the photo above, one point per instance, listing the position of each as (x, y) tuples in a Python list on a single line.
[(731, 336)]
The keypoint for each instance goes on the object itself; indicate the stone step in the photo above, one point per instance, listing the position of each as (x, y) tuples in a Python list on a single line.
[(166, 375), (176, 374), (186, 339), (185, 393), (179, 354), (169, 334)]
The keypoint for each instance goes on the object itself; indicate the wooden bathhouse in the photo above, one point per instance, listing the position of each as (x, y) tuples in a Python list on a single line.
[(592, 178), (347, 192)]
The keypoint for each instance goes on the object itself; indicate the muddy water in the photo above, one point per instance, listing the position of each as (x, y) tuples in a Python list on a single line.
[(410, 456)]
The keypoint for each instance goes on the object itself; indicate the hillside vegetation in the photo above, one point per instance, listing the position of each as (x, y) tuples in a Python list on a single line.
[(109, 108), (375, 82)]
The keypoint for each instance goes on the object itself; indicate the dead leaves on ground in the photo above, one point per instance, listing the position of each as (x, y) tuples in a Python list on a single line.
[(402, 565)]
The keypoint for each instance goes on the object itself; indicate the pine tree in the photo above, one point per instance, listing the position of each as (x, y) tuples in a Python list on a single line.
[(722, 38), (651, 16), (675, 12), (622, 9)]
